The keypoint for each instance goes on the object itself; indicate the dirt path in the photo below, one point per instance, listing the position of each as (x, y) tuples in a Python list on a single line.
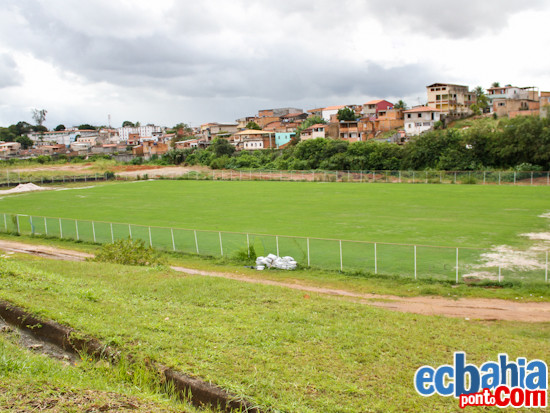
[(470, 308)]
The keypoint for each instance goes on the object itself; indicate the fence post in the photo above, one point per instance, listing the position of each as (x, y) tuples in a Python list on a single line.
[(173, 241), (546, 269), (30, 222), (112, 234), (150, 238), (130, 230), (413, 177), (341, 258), (484, 177), (5, 223), (455, 177), (514, 178), (221, 245), (76, 226), (46, 226), (399, 176), (547, 178), (60, 229), (17, 219), (196, 242), (277, 242), (93, 230), (373, 177), (457, 266), (499, 177), (531, 178), (499, 272), (415, 262), (361, 176), (375, 260), (308, 260), (248, 244)]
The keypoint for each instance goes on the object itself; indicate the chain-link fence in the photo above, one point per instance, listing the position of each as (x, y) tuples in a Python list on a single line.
[(413, 177), (415, 261)]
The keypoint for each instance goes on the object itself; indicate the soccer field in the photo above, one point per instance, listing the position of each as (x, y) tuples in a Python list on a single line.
[(436, 215)]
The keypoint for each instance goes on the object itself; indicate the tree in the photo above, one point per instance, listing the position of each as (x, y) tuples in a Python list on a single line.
[(400, 105), (59, 128), (495, 84), (182, 129), (346, 114), (39, 116), (86, 126), (312, 120), (222, 147), (482, 101), (25, 142), (128, 124), (253, 125)]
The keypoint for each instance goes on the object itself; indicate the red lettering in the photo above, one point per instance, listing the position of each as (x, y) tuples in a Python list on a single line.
[(502, 396)]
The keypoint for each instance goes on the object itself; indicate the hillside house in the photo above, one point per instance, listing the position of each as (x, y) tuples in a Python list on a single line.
[(420, 119), (449, 99)]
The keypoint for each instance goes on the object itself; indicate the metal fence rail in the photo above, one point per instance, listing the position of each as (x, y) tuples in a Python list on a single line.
[(529, 178), (415, 261)]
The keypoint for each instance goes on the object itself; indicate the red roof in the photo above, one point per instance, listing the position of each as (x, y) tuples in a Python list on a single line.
[(334, 107), (422, 109), (374, 102)]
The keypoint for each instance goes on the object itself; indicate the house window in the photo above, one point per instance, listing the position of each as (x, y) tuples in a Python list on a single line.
[(408, 115), (418, 124), (427, 124), (420, 115)]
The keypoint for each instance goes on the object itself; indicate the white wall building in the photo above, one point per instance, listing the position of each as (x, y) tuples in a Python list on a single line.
[(420, 119), (147, 132)]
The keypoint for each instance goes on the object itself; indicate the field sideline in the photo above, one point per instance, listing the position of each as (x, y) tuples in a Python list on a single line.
[(443, 215)]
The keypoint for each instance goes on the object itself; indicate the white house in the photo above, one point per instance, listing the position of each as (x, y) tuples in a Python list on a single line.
[(420, 119), (331, 110)]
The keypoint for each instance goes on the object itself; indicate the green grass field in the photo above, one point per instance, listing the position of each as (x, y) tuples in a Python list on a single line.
[(31, 381), (434, 215), (277, 347)]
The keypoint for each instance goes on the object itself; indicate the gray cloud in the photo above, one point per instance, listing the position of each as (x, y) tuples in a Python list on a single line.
[(242, 51), (458, 19), (9, 73)]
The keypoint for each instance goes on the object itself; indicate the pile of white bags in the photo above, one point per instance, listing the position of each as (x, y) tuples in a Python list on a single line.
[(272, 261)]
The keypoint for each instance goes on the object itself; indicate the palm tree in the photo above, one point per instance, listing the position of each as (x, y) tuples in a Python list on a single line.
[(400, 105)]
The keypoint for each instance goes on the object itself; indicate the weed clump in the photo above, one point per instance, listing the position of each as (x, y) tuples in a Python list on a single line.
[(128, 252)]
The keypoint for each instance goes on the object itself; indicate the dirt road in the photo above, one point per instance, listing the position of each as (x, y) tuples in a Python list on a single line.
[(470, 308)]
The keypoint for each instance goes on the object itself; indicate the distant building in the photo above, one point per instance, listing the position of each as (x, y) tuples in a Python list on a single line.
[(514, 101), (147, 131), (449, 99), (372, 108), (420, 119)]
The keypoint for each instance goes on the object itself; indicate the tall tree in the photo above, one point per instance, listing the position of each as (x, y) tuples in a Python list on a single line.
[(400, 105), (59, 128), (346, 114), (495, 84), (128, 124), (39, 116), (253, 125)]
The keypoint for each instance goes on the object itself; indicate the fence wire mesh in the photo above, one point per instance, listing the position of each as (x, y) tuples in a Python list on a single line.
[(407, 260)]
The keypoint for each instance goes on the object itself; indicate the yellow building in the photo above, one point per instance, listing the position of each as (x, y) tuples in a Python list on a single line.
[(451, 100)]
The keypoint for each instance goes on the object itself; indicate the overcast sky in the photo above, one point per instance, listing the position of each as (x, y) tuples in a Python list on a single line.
[(167, 61)]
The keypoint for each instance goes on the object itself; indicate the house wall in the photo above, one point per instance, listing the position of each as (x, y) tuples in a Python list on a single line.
[(419, 122), (282, 138), (450, 99)]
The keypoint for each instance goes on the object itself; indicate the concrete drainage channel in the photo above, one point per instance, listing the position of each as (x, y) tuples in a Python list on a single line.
[(64, 343)]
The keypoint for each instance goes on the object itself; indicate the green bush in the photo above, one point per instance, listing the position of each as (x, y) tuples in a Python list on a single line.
[(128, 252)]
